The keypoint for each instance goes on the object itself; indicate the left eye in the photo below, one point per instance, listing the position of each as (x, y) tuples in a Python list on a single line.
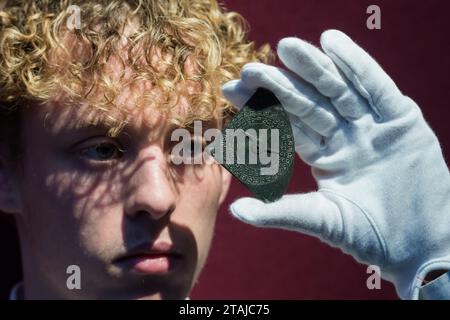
[(102, 152)]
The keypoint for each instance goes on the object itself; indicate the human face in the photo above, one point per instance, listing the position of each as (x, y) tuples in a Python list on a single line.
[(137, 226)]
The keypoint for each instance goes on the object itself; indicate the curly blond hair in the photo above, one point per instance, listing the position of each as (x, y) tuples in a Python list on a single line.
[(40, 56)]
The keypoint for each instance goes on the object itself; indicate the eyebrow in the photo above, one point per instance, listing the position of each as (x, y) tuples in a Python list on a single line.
[(93, 122), (206, 124), (86, 126), (99, 122)]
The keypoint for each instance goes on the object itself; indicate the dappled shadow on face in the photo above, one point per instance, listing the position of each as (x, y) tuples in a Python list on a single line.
[(96, 195)]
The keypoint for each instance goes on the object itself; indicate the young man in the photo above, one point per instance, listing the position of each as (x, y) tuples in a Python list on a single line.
[(88, 106)]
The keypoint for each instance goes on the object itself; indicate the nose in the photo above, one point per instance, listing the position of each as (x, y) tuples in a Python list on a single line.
[(151, 190)]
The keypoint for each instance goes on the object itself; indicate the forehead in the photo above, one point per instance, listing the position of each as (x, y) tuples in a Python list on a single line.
[(136, 103), (62, 115)]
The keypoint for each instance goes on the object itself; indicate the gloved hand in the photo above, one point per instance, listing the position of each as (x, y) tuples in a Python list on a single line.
[(383, 185)]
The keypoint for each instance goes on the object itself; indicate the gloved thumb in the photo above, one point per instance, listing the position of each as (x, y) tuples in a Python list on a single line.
[(309, 213), (237, 93)]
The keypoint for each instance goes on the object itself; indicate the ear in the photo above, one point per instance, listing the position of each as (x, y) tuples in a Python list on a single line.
[(9, 195), (226, 181)]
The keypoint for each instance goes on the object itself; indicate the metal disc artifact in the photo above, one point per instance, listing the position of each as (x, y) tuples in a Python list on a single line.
[(257, 146)]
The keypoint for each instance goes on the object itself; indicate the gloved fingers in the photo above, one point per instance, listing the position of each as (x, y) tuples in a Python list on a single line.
[(315, 67), (309, 213), (236, 93), (308, 143), (297, 97), (365, 73)]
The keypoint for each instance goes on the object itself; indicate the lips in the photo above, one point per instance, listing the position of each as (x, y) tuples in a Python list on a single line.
[(159, 258)]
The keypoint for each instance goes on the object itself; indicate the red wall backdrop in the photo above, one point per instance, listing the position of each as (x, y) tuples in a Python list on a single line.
[(250, 263), (413, 46)]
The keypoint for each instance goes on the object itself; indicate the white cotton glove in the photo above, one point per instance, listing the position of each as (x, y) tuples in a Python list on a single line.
[(383, 184)]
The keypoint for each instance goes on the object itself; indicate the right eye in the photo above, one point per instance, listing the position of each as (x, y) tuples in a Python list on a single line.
[(100, 150)]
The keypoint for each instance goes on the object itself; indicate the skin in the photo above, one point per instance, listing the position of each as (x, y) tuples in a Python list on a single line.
[(80, 204)]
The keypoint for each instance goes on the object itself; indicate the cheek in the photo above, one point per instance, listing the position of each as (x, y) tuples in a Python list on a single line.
[(199, 195), (198, 205), (81, 211)]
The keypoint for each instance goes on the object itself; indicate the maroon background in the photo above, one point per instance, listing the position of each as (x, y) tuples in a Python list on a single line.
[(413, 46), (249, 263)]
